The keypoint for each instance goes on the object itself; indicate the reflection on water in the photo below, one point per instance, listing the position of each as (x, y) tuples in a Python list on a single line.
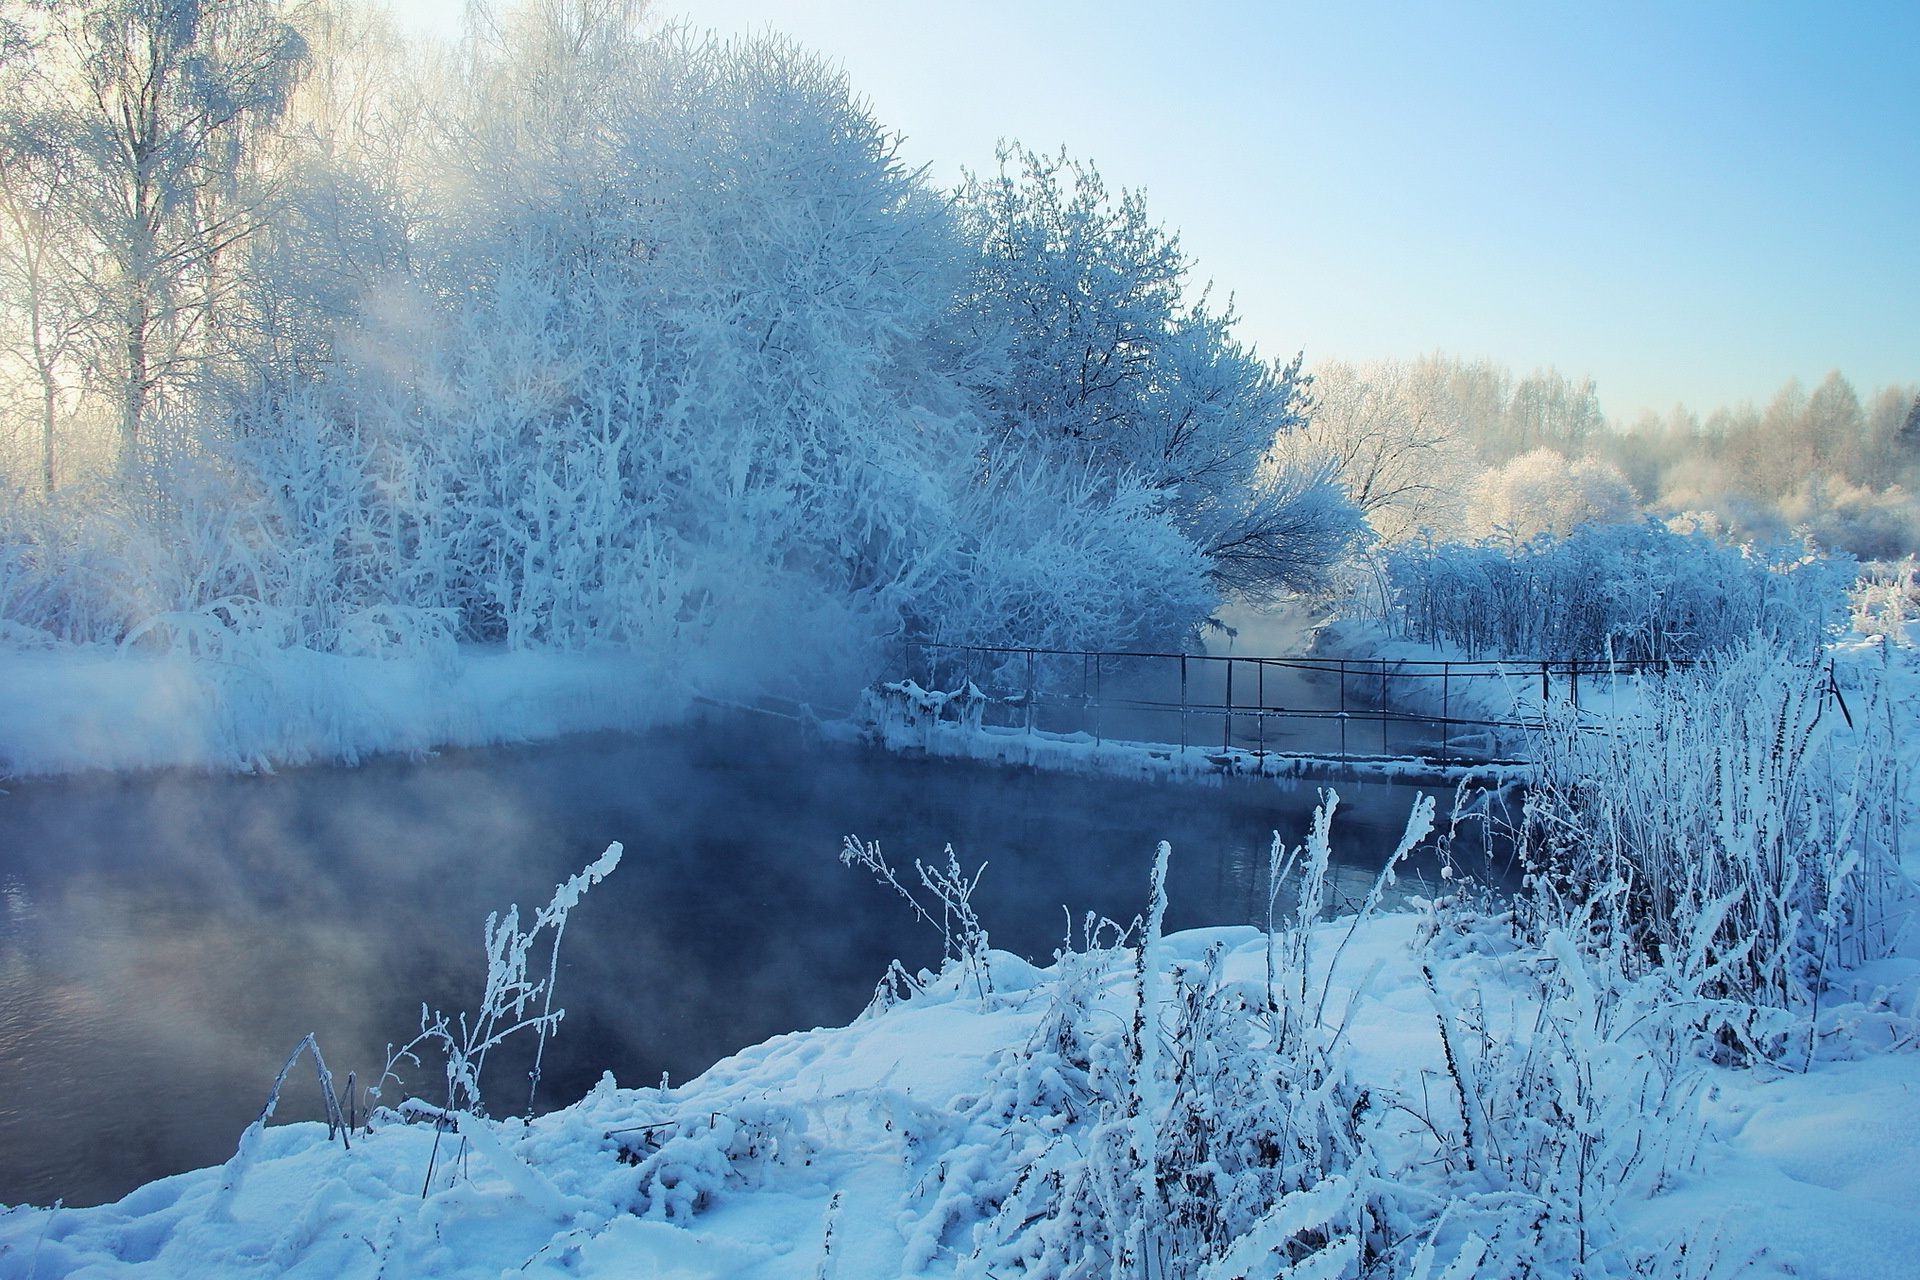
[(166, 939)]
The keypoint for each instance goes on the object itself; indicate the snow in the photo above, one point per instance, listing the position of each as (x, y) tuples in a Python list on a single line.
[(1814, 1175)]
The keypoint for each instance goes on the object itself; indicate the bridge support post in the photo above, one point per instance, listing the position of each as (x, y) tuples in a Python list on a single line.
[(1029, 691), (1183, 702), (1260, 687), (1227, 735), (1343, 706)]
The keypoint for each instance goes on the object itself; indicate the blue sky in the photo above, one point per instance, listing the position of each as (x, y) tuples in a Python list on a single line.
[(1688, 201)]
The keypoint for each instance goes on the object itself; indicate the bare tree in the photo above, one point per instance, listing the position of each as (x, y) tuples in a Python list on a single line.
[(43, 318), (1390, 433), (153, 104)]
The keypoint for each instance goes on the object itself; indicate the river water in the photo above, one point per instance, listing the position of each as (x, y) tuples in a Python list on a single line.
[(167, 938)]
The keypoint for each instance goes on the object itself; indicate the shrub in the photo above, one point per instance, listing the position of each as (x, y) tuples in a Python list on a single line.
[(1740, 825), (1629, 591)]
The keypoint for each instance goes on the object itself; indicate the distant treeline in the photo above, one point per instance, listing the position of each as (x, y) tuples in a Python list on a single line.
[(1462, 448)]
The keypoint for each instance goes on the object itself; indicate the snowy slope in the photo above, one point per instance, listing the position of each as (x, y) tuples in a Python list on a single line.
[(895, 1138)]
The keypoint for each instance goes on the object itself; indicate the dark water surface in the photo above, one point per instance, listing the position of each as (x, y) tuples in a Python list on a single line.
[(166, 939)]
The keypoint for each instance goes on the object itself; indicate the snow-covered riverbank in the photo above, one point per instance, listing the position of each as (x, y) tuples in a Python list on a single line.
[(97, 707), (915, 1142)]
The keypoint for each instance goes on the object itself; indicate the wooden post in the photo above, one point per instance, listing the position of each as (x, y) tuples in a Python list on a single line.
[(1343, 708), (1385, 750)]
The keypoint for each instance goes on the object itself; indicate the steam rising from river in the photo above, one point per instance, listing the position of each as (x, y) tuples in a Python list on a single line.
[(168, 938)]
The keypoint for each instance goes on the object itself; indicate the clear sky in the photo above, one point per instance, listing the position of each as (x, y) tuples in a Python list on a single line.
[(1688, 201)]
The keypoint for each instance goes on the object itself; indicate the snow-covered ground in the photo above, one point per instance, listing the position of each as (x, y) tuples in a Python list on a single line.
[(890, 1147), (989, 1122)]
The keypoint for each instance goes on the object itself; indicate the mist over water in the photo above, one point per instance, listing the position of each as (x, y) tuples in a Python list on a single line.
[(166, 939)]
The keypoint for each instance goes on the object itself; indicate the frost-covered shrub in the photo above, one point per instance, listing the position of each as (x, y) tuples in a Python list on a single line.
[(1886, 598), (683, 1166), (1630, 591), (1739, 822), (92, 562), (1842, 517), (60, 566), (1546, 493), (1566, 1083), (1062, 559), (963, 937), (1165, 1120)]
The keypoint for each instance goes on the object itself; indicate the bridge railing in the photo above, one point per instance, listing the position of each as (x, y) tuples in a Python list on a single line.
[(1434, 709)]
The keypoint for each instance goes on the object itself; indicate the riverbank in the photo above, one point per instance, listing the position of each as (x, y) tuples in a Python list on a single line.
[(68, 709), (909, 1144)]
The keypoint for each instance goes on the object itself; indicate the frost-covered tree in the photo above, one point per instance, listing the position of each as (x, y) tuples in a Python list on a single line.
[(346, 167), (152, 106), (1548, 411), (1389, 433), (675, 356), (1906, 445), (1103, 360), (1544, 492), (591, 332), (45, 314)]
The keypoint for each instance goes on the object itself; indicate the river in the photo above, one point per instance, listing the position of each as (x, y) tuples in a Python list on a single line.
[(167, 938)]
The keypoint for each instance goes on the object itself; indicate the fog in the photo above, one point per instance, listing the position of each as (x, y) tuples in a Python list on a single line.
[(171, 936)]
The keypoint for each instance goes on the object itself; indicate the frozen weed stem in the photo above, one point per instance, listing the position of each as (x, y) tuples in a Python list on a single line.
[(963, 937), (508, 998)]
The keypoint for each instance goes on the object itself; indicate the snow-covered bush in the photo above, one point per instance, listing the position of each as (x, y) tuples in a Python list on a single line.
[(1064, 559), (1546, 493), (92, 562), (1564, 1092), (1886, 598), (60, 566), (1190, 1117), (963, 938), (1166, 1120), (1739, 823), (1630, 591), (1868, 523)]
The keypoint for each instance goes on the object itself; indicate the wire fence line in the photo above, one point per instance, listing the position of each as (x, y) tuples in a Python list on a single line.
[(1356, 709)]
